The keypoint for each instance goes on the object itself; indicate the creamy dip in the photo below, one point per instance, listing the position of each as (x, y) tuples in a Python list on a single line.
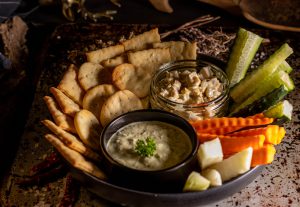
[(172, 145)]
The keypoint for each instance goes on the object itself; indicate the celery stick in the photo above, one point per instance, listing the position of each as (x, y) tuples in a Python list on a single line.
[(243, 51), (246, 87)]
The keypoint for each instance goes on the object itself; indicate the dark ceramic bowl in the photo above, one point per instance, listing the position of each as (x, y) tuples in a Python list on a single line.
[(170, 179)]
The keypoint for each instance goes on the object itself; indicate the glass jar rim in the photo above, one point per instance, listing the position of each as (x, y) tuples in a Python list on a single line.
[(193, 63)]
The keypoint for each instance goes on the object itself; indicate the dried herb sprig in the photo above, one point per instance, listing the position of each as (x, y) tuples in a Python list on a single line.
[(145, 148)]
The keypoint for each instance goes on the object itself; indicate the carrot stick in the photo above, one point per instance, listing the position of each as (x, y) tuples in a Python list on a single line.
[(229, 122), (264, 155), (231, 145), (260, 115), (281, 134), (221, 130), (270, 132)]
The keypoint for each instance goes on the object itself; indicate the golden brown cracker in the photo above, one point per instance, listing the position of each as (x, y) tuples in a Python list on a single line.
[(142, 41), (92, 74), (98, 56), (126, 76), (117, 104), (74, 158), (114, 62), (150, 60), (67, 105), (70, 86), (71, 141), (95, 97), (88, 128), (62, 120)]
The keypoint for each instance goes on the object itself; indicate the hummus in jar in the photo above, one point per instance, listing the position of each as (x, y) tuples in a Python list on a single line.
[(172, 145)]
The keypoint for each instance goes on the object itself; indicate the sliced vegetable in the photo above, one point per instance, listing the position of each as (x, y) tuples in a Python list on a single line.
[(221, 130), (213, 176), (235, 165), (277, 79), (243, 51), (282, 110), (211, 124), (264, 155), (281, 134), (196, 182), (270, 132), (210, 153), (231, 145), (255, 79), (284, 66)]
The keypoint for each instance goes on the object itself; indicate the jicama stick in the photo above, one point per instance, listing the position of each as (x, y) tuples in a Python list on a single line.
[(264, 155), (231, 145), (229, 122), (270, 132)]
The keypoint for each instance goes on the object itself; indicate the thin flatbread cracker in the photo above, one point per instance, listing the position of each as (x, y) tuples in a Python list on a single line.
[(114, 62), (137, 80), (95, 97), (142, 41), (93, 74), (119, 103), (190, 51), (75, 158), (67, 105), (179, 50), (71, 141), (98, 56), (69, 85), (88, 128), (62, 120), (150, 60)]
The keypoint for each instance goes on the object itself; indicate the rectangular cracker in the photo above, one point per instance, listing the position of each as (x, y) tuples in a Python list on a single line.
[(71, 141), (67, 105), (98, 56), (70, 86), (150, 60), (142, 41), (114, 62), (75, 158), (179, 50), (62, 120)]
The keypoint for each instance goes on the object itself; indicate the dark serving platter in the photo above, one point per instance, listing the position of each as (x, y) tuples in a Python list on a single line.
[(131, 197)]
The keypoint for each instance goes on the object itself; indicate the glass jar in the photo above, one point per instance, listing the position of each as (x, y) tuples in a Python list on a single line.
[(215, 108)]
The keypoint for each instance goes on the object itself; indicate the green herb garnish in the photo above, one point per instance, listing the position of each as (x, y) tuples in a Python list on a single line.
[(145, 149)]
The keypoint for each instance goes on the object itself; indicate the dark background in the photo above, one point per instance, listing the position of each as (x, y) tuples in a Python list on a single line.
[(43, 20)]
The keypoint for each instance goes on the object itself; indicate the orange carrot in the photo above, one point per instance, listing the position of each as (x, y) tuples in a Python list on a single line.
[(220, 130), (229, 122), (231, 145), (270, 132), (281, 134), (204, 137), (264, 155)]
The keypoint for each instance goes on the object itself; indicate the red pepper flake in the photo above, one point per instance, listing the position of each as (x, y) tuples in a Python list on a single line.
[(71, 192)]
